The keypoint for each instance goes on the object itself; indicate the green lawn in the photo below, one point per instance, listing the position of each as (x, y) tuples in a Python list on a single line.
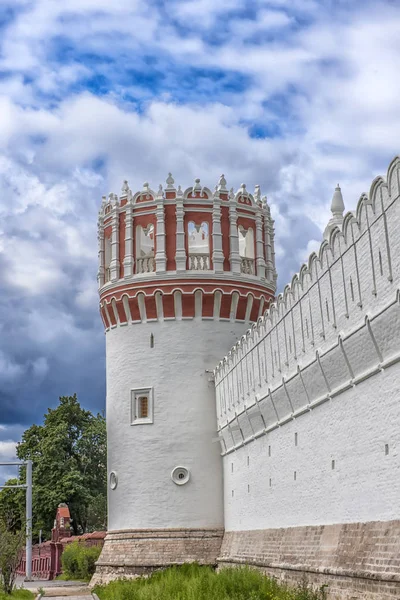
[(18, 594), (193, 582)]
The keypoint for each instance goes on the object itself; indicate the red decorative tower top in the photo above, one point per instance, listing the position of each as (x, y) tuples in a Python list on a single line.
[(177, 254)]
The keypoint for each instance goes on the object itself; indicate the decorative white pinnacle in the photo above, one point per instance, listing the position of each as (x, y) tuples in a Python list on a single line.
[(179, 192), (197, 187), (222, 184), (125, 187), (265, 202), (337, 209), (337, 206), (231, 194), (160, 193), (242, 190), (257, 194), (170, 182)]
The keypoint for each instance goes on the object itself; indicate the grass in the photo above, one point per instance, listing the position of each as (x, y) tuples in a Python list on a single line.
[(194, 582), (17, 594), (64, 577)]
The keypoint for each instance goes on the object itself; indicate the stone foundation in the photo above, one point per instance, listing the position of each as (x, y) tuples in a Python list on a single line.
[(130, 553), (356, 560)]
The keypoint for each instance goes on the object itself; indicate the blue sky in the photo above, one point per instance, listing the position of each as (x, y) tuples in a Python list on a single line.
[(294, 95)]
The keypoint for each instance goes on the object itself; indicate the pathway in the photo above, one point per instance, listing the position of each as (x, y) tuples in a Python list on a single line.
[(57, 590)]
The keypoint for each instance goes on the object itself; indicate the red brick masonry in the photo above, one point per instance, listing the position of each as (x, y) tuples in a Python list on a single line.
[(134, 552), (356, 560)]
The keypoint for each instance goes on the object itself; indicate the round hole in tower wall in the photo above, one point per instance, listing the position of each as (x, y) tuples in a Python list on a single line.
[(180, 475), (113, 480)]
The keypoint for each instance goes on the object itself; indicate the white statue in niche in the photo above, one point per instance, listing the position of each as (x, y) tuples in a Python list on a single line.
[(145, 249), (246, 249), (199, 246), (246, 242)]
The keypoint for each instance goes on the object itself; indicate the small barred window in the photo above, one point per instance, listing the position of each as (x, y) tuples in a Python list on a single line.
[(141, 406)]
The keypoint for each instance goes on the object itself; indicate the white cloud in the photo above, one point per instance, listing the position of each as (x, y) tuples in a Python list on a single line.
[(7, 450), (325, 86)]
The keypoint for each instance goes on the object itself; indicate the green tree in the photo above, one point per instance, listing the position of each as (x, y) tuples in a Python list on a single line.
[(69, 465), (12, 541), (12, 507)]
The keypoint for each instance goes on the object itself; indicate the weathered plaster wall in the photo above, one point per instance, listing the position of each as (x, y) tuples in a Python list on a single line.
[(321, 364)]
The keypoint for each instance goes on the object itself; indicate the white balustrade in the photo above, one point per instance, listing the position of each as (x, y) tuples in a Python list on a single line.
[(247, 266), (145, 264), (199, 262)]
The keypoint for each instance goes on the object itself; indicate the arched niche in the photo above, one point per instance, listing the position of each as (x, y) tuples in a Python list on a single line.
[(199, 246), (145, 236), (246, 250)]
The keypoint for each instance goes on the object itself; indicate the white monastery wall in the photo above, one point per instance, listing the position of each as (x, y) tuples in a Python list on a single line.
[(317, 380), (183, 427)]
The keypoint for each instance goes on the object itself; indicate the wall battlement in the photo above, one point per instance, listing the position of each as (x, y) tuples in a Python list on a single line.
[(308, 414), (305, 349)]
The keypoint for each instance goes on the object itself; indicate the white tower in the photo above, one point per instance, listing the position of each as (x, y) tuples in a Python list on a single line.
[(181, 276)]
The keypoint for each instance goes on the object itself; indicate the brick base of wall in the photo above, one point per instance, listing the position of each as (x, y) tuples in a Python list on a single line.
[(130, 553), (356, 560)]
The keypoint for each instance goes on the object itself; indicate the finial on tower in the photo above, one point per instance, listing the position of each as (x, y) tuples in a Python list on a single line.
[(222, 184), (160, 193), (337, 210), (257, 194), (125, 188), (170, 182), (197, 187), (337, 206)]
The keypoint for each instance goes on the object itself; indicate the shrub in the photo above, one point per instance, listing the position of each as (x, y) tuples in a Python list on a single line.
[(11, 544), (194, 582), (79, 561)]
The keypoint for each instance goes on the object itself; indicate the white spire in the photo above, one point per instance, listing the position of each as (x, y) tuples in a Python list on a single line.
[(337, 206), (337, 210)]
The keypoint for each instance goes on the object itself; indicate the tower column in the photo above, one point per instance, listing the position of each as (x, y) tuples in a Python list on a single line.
[(234, 255), (269, 252), (128, 259), (260, 262), (100, 239), (114, 264), (161, 257), (217, 255), (180, 255)]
